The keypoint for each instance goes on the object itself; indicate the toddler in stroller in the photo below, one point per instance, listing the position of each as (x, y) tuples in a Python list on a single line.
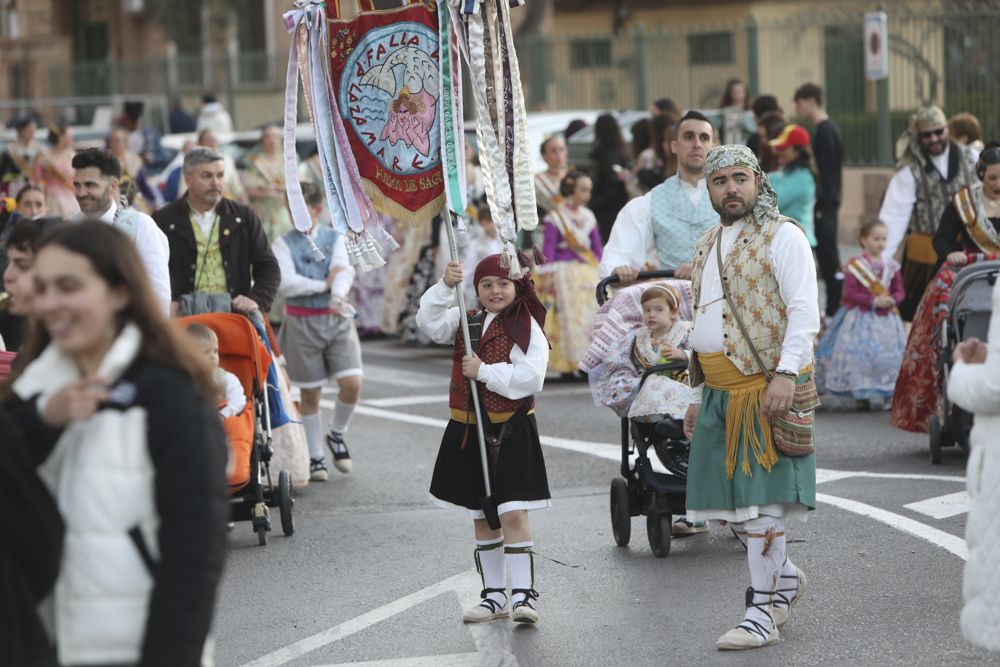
[(233, 343), (231, 401), (642, 379)]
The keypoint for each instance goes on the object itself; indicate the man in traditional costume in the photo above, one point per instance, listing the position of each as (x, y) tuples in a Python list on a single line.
[(671, 216), (969, 231), (736, 472), (218, 248), (932, 169)]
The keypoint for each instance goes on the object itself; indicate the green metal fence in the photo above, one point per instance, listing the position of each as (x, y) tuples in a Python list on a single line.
[(946, 53), (940, 51)]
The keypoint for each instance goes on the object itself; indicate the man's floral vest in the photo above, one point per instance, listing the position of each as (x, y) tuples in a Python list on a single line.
[(754, 290)]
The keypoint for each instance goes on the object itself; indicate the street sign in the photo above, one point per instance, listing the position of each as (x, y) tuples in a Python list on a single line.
[(876, 46)]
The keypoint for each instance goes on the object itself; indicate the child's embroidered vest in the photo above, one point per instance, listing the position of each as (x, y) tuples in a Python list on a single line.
[(494, 348), (754, 290), (306, 265)]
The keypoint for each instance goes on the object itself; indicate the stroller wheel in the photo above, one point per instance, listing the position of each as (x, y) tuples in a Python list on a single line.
[(261, 522), (285, 502), (658, 532), (934, 432), (621, 517)]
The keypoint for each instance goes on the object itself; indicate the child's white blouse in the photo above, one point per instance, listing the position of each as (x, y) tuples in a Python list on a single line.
[(439, 318), (236, 400)]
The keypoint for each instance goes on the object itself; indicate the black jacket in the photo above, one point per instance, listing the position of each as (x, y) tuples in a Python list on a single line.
[(29, 552), (187, 447), (250, 266)]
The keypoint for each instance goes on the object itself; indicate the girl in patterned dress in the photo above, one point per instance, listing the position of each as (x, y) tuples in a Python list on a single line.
[(662, 339), (573, 250), (860, 354)]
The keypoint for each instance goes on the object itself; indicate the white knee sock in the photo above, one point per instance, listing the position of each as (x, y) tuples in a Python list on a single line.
[(522, 568), (491, 565), (342, 413), (314, 435), (764, 534)]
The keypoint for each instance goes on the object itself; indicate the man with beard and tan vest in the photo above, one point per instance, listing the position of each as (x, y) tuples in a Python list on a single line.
[(932, 169), (751, 463)]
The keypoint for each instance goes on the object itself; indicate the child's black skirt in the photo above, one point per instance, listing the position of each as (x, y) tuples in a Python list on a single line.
[(518, 479)]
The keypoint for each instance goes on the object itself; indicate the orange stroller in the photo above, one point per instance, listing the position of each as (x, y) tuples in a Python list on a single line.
[(242, 353)]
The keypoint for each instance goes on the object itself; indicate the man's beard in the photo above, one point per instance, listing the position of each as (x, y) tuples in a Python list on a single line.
[(101, 204), (935, 149), (729, 216)]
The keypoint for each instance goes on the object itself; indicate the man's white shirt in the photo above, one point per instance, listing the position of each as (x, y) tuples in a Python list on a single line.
[(900, 197), (154, 251)]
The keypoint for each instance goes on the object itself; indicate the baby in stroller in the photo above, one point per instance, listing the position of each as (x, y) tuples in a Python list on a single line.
[(231, 401), (662, 338), (654, 404)]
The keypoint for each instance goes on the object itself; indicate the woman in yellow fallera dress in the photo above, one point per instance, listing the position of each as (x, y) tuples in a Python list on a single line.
[(573, 249)]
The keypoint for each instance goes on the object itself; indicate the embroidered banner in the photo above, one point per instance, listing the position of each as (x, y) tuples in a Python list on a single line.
[(385, 76)]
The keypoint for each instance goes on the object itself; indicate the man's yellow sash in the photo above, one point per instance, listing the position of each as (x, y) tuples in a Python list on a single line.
[(745, 410)]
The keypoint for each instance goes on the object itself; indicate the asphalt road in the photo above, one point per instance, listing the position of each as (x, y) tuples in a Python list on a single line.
[(375, 574)]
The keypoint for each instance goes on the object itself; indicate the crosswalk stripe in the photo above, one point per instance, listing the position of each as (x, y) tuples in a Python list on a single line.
[(942, 507)]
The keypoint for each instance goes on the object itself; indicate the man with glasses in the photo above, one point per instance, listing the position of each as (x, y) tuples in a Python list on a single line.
[(931, 169)]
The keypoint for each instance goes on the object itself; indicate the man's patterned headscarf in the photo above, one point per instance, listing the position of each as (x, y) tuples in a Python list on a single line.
[(908, 146), (734, 155)]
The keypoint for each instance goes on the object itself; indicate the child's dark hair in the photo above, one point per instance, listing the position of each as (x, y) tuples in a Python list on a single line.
[(567, 186), (312, 194), (484, 213), (867, 228), (201, 332)]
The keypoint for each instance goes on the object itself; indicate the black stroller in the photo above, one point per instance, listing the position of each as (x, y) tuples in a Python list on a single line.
[(640, 489), (970, 305)]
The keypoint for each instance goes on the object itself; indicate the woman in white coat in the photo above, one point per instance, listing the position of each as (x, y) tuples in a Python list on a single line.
[(124, 433), (974, 385)]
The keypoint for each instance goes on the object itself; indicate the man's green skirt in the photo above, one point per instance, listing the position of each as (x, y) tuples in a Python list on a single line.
[(709, 487)]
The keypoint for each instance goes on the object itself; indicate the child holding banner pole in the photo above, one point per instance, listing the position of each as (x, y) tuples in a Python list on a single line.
[(492, 401)]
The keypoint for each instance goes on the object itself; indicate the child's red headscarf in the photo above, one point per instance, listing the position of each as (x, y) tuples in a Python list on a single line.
[(517, 316)]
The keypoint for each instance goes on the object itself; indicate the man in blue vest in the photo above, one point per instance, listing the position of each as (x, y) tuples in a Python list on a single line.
[(672, 216)]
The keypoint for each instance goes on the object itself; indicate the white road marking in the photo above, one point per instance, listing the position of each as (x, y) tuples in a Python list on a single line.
[(406, 400), (492, 639), (397, 401), (955, 545), (898, 475), (415, 353), (401, 378), (468, 579), (947, 541), (453, 660), (942, 507)]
